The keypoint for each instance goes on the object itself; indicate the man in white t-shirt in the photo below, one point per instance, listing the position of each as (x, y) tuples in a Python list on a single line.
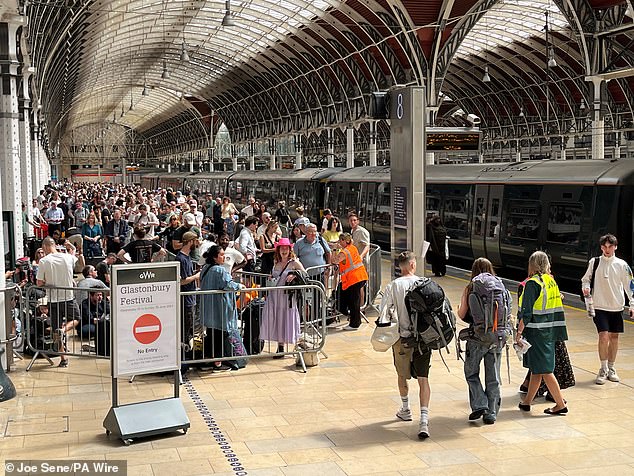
[(234, 260), (249, 210), (266, 218), (56, 270), (148, 220), (409, 362)]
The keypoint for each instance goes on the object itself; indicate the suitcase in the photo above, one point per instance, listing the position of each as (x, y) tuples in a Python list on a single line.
[(251, 316), (102, 338)]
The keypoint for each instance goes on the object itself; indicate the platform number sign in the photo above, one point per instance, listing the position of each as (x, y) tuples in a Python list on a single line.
[(399, 106)]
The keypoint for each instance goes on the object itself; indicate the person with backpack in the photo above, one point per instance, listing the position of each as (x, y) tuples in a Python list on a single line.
[(608, 298), (408, 361), (541, 321), (486, 306)]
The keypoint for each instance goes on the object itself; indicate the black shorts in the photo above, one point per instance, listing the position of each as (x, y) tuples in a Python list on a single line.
[(608, 321), (63, 311)]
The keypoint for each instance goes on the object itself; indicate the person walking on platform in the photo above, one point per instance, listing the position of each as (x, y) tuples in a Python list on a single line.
[(353, 277), (607, 282), (541, 320), (408, 361), (484, 402), (436, 255)]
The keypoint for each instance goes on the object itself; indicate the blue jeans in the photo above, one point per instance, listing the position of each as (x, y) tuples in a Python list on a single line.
[(88, 331), (480, 398)]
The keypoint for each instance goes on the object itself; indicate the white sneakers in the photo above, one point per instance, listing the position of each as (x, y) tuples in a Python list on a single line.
[(423, 430), (350, 328), (404, 414), (604, 375), (612, 376)]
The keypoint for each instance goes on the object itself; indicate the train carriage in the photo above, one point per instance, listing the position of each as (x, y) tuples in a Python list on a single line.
[(296, 187), (502, 211)]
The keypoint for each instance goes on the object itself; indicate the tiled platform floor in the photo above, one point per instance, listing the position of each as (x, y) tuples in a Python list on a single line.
[(338, 419)]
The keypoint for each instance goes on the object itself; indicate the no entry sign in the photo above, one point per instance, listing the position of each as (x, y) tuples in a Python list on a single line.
[(147, 328)]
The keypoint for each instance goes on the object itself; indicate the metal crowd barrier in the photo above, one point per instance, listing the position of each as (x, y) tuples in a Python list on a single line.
[(296, 313), (66, 321), (13, 323), (373, 267), (229, 328)]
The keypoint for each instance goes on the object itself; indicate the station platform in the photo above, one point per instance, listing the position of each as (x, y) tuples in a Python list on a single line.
[(336, 419)]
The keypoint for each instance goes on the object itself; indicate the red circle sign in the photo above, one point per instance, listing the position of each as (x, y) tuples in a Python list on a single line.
[(147, 328)]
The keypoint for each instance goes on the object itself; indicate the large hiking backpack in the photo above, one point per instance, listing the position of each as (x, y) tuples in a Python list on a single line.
[(433, 324), (490, 308)]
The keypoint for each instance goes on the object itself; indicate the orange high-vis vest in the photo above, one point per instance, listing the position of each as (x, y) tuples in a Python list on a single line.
[(351, 269)]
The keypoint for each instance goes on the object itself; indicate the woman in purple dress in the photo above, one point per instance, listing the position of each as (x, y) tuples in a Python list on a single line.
[(280, 318)]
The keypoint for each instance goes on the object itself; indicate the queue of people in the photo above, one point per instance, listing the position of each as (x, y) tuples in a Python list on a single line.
[(133, 225)]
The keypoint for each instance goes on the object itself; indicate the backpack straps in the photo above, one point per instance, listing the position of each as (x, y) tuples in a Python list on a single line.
[(595, 266)]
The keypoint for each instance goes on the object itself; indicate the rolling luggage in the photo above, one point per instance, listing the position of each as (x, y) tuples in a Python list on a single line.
[(251, 316), (102, 338)]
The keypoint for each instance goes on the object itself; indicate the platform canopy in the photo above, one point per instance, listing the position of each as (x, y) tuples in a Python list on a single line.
[(171, 71)]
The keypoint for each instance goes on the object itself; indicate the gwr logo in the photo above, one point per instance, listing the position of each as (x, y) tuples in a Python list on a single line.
[(146, 275)]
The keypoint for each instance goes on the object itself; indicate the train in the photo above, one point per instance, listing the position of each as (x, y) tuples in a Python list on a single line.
[(503, 211)]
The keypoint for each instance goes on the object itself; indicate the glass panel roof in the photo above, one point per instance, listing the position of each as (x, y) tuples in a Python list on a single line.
[(509, 21)]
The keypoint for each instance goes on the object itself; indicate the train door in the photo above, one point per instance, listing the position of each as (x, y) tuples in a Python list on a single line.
[(485, 232)]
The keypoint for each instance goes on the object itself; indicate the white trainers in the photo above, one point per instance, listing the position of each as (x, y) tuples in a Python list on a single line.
[(404, 414), (423, 430), (350, 328), (613, 376), (601, 377)]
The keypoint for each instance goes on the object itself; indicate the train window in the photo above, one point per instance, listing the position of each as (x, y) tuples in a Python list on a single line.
[(564, 222), (433, 205), (522, 219), (383, 214), (480, 216), (455, 217)]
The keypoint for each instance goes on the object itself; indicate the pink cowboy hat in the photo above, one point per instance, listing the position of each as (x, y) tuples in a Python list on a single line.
[(284, 242)]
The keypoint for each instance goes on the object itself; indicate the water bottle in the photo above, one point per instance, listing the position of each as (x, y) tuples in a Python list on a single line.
[(589, 306)]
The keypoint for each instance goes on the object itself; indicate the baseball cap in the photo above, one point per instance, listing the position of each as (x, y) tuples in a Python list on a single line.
[(303, 221), (189, 219)]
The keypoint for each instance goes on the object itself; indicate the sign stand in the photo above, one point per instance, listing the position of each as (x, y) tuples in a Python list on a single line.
[(145, 338)]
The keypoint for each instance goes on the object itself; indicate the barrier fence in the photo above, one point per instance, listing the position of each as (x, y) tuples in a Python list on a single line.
[(75, 321), (13, 331), (221, 326)]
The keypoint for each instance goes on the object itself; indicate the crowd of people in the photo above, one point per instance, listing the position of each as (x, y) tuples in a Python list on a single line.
[(213, 242), (85, 228)]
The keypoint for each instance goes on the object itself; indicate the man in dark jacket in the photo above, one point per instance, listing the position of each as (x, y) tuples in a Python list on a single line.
[(436, 234), (116, 231)]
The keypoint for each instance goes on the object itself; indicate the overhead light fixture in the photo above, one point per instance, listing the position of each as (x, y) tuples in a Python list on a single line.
[(551, 58), (146, 91), (582, 105), (227, 20), (184, 55), (485, 77), (165, 74), (521, 111)]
